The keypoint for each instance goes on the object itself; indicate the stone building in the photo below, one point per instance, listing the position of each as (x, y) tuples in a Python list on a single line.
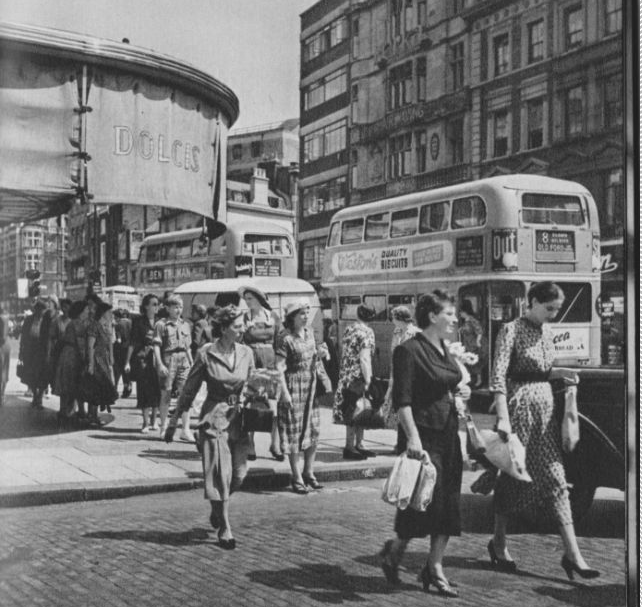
[(406, 95)]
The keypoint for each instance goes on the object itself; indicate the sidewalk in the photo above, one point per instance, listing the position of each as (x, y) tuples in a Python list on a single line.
[(43, 464)]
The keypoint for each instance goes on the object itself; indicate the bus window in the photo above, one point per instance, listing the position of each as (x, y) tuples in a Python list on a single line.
[(351, 231), (401, 300), (378, 302), (469, 212), (551, 208), (168, 251), (577, 302), (199, 247), (184, 249), (153, 253), (434, 217), (377, 226), (348, 307), (403, 223), (333, 236)]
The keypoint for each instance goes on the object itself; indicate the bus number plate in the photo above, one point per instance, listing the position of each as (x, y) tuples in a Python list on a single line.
[(552, 245)]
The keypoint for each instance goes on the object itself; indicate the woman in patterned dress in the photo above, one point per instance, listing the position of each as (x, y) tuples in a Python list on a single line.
[(299, 418), (262, 325), (523, 400), (355, 376)]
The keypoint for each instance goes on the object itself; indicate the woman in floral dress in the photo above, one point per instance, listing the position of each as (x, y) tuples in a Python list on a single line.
[(298, 413), (355, 376), (523, 399)]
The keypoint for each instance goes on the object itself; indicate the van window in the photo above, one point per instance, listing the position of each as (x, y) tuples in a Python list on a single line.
[(549, 208), (469, 212), (404, 223), (333, 236), (577, 302), (348, 307), (378, 302), (434, 217), (351, 231), (401, 300), (377, 226)]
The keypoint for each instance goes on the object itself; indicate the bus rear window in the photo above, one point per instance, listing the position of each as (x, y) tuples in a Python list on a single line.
[(407, 301), (333, 236), (577, 302), (267, 244), (153, 253), (552, 208), (183, 249), (433, 217), (348, 307), (351, 231), (404, 223), (378, 302), (377, 226), (469, 212)]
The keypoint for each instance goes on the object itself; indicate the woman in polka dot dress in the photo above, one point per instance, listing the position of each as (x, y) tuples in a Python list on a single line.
[(523, 400)]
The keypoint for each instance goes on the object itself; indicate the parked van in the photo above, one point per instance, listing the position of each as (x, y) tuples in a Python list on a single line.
[(279, 292)]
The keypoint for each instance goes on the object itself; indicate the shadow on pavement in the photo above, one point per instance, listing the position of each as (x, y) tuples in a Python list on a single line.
[(324, 583), (609, 595), (171, 454), (164, 538), (18, 419)]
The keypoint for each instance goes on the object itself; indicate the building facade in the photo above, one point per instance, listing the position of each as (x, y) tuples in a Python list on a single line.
[(407, 95), (38, 246)]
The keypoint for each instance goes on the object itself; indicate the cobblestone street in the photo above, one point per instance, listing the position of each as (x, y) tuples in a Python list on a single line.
[(318, 549)]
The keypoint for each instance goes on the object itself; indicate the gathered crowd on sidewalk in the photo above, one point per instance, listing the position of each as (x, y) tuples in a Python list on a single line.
[(266, 373)]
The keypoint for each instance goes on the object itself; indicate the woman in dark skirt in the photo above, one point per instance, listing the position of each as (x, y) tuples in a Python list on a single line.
[(426, 380), (139, 362)]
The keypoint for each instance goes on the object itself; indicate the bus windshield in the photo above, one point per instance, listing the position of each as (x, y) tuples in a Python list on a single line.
[(552, 208)]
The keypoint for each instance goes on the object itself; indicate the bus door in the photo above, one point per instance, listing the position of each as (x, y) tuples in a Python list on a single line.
[(493, 303)]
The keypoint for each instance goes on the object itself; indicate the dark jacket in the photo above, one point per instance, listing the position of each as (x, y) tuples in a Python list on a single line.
[(425, 380)]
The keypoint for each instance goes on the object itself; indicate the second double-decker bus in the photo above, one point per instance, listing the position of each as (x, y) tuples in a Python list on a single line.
[(248, 248), (484, 241)]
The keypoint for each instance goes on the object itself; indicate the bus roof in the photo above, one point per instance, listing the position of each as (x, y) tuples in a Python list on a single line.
[(265, 284), (247, 225), (119, 289), (540, 183)]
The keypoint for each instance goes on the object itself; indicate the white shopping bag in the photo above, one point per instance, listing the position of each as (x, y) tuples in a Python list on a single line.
[(410, 483)]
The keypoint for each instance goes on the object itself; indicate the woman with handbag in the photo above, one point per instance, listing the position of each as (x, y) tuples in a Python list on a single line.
[(523, 401), (262, 325), (33, 352), (139, 363), (355, 377), (225, 366), (426, 382), (299, 417)]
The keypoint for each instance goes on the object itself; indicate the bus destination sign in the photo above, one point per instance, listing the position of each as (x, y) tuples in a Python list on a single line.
[(267, 267), (553, 245), (469, 251)]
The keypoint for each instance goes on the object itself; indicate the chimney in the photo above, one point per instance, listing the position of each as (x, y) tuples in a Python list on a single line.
[(259, 187)]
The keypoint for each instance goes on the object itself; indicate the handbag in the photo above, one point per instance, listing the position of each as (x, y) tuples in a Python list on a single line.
[(365, 415), (475, 445), (411, 483), (570, 420), (257, 414)]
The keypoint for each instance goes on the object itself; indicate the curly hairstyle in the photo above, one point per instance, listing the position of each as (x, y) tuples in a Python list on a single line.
[(544, 292), (225, 316), (433, 302), (145, 302)]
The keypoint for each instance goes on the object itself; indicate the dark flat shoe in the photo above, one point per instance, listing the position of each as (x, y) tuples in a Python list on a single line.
[(366, 452), (353, 455), (251, 457), (279, 457), (312, 482)]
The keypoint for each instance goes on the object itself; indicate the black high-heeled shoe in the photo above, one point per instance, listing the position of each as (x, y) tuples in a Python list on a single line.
[(424, 577), (227, 544), (388, 566), (570, 567), (503, 565), (442, 585), (312, 482), (299, 488)]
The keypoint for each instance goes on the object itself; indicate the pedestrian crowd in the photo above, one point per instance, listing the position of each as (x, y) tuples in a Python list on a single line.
[(252, 356)]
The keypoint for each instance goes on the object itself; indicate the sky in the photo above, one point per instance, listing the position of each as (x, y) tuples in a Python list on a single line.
[(250, 45)]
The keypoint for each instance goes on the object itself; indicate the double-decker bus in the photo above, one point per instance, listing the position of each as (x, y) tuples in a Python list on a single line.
[(247, 248), (484, 241)]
